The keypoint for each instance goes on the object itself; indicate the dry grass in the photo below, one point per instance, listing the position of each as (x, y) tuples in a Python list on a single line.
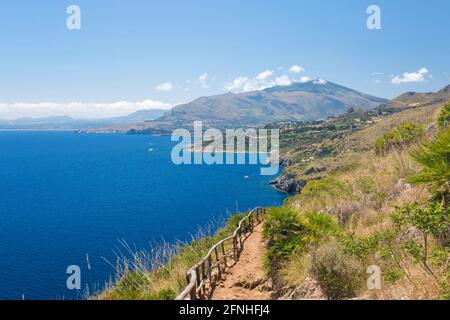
[(362, 190), (160, 274), (296, 270)]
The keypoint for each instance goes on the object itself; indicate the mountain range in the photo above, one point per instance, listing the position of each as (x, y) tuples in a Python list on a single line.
[(300, 101), (313, 100), (68, 123)]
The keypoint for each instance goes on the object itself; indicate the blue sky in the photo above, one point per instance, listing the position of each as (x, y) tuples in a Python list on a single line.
[(127, 50)]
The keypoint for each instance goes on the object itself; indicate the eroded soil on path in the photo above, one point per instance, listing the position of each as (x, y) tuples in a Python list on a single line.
[(246, 280)]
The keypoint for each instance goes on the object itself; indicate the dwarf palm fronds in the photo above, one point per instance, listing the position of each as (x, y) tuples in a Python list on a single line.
[(444, 117), (400, 137), (434, 157)]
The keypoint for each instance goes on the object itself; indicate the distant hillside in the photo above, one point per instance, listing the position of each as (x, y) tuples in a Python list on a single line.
[(68, 123), (358, 205), (313, 144), (312, 100), (300, 101), (414, 99)]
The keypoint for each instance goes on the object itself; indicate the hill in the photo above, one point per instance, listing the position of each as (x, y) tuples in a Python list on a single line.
[(312, 146), (308, 101), (68, 123), (361, 209), (414, 99), (300, 101)]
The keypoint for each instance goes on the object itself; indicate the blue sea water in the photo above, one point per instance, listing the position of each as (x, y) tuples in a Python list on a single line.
[(70, 199)]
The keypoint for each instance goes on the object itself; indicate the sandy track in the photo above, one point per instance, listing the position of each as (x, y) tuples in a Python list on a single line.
[(246, 280)]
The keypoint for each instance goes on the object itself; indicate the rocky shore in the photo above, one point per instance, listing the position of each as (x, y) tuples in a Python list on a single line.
[(286, 182)]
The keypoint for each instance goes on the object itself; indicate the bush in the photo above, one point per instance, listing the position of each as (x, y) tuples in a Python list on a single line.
[(319, 226), (444, 117), (434, 157), (166, 294), (324, 189), (432, 221), (360, 247), (392, 276), (339, 275), (400, 137), (283, 230), (288, 232)]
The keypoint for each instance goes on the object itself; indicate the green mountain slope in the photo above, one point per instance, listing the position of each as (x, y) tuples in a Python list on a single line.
[(300, 101)]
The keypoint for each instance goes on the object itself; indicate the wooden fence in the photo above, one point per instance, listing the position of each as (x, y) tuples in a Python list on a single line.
[(204, 276)]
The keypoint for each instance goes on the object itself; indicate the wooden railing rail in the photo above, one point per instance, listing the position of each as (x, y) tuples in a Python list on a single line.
[(204, 276)]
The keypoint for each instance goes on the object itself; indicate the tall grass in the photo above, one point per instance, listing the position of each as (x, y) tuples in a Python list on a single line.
[(160, 273)]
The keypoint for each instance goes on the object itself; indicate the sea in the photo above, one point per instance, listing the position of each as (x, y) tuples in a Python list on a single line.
[(84, 200)]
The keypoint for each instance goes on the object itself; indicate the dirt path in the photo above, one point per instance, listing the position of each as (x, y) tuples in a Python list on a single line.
[(246, 280)]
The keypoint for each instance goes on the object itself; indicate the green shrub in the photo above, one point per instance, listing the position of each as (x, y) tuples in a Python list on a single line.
[(288, 233), (319, 226), (392, 276), (445, 291), (444, 117), (434, 157), (129, 286), (166, 294), (432, 221), (283, 230), (361, 247), (327, 187), (339, 275), (400, 137)]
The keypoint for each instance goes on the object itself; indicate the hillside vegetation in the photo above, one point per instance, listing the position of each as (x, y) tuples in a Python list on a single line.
[(162, 275), (383, 206), (307, 101), (299, 101), (374, 197)]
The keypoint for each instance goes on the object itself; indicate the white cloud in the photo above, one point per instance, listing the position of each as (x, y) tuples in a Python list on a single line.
[(236, 84), (244, 84), (166, 86), (283, 81), (264, 80), (203, 80), (305, 79), (418, 76), (264, 75), (77, 109), (296, 69)]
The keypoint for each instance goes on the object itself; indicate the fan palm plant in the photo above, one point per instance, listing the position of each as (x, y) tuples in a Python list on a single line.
[(444, 117), (434, 157)]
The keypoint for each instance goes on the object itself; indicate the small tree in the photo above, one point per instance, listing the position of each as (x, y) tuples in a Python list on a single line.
[(444, 117), (431, 221)]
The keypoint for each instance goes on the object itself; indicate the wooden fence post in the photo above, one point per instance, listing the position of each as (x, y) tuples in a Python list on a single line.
[(235, 248), (203, 270), (192, 293), (224, 256), (218, 261), (210, 269)]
